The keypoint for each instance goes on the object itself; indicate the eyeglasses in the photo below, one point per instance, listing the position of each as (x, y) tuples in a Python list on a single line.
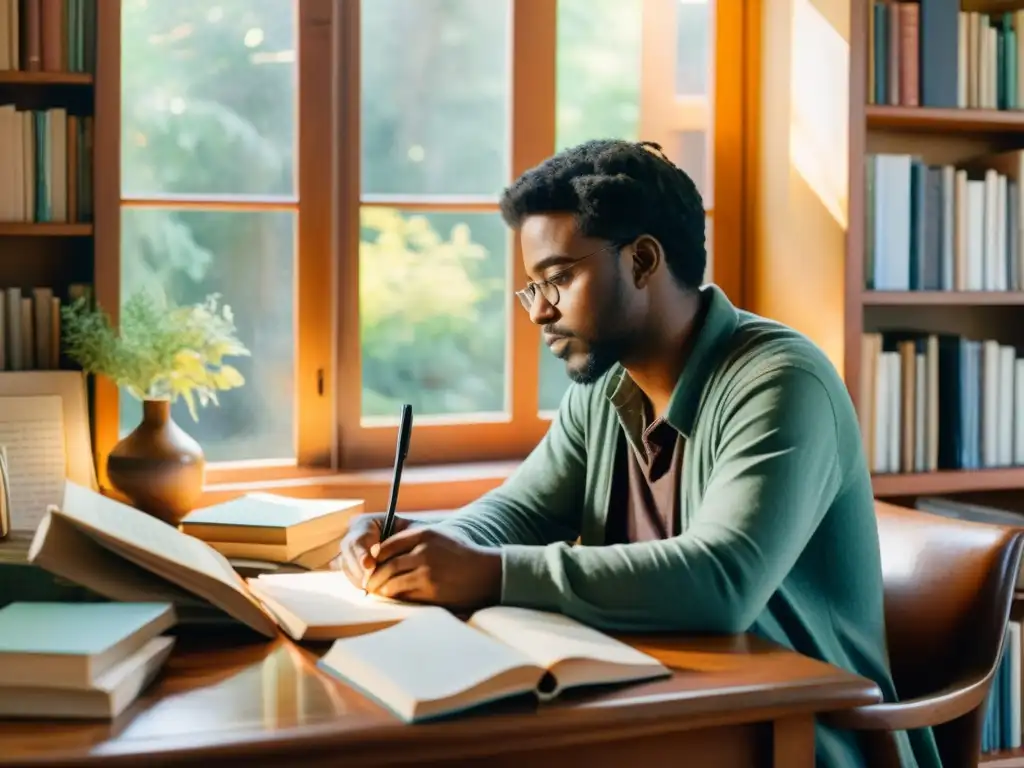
[(549, 288)]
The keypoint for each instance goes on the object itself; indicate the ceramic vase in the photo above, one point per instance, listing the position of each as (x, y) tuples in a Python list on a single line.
[(159, 466)]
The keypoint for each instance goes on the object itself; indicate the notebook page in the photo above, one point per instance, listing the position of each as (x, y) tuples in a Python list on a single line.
[(334, 584), (426, 658), (32, 437), (70, 387), (549, 638), (330, 602)]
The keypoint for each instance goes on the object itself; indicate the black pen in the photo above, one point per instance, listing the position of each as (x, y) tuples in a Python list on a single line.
[(401, 451)]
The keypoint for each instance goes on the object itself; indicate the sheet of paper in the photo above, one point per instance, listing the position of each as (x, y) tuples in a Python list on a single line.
[(70, 386), (32, 436), (549, 638), (329, 583)]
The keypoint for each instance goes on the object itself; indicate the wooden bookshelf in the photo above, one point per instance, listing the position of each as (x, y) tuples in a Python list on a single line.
[(44, 229), (41, 246), (947, 482), (943, 121), (1010, 758), (938, 136), (942, 298), (17, 77)]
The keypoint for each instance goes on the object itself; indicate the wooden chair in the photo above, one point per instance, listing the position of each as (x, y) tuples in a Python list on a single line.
[(948, 590)]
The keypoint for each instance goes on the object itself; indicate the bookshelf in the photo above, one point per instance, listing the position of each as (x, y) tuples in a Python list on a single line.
[(23, 77), (898, 114), (48, 92), (958, 117), (942, 121)]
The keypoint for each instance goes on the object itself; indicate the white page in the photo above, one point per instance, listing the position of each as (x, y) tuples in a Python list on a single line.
[(549, 638), (425, 658), (70, 387), (32, 435), (148, 534), (335, 591)]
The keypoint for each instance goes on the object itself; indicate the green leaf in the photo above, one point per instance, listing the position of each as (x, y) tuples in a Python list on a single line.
[(159, 350)]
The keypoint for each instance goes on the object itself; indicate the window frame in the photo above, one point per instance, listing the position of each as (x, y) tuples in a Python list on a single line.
[(491, 437), (720, 113), (329, 435), (311, 203)]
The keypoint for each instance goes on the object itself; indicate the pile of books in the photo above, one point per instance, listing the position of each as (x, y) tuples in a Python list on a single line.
[(268, 533), (80, 660)]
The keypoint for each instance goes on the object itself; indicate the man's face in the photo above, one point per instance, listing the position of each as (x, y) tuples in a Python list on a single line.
[(588, 327)]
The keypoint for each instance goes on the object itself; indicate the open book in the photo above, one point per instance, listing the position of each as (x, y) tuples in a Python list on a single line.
[(126, 555), (433, 664), (325, 605)]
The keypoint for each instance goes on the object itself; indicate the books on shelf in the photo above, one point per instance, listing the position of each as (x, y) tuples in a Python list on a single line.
[(944, 227), (45, 165), (48, 35), (934, 54), (79, 660), (937, 401), (972, 512), (1001, 727), (30, 325)]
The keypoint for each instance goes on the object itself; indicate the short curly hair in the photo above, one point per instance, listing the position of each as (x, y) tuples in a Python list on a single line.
[(618, 190)]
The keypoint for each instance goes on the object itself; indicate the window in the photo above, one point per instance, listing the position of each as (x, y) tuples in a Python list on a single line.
[(442, 129), (433, 251), (333, 171), (613, 81), (209, 194)]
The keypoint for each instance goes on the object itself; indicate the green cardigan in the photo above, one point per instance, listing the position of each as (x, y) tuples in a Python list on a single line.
[(777, 511)]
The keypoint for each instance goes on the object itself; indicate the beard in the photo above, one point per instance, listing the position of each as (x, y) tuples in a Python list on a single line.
[(597, 361), (603, 350)]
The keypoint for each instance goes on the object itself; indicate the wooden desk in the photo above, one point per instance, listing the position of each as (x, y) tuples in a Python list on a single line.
[(731, 702)]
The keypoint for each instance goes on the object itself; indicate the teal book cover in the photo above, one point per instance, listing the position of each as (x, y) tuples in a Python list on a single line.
[(72, 628)]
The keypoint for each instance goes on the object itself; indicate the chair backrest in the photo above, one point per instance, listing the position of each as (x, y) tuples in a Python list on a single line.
[(948, 590)]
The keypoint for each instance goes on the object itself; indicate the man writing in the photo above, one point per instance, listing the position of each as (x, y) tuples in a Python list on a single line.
[(708, 460)]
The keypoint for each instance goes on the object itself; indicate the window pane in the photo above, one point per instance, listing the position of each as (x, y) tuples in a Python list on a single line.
[(249, 259), (435, 96), (208, 97), (598, 96), (709, 246), (433, 292), (690, 151), (693, 47), (598, 70)]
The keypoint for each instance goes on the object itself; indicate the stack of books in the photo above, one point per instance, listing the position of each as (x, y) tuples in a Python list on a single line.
[(80, 660), (267, 533), (22, 581)]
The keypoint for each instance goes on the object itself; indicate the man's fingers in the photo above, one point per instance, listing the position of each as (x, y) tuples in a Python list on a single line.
[(351, 567), (393, 568), (362, 545), (399, 544), (405, 586)]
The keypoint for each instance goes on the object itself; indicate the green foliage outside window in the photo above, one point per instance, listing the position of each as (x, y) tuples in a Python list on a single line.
[(208, 90)]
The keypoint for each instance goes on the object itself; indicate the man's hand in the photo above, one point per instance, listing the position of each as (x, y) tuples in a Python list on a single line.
[(355, 558), (423, 565)]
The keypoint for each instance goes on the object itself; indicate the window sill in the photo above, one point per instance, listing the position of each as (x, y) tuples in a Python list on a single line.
[(423, 487)]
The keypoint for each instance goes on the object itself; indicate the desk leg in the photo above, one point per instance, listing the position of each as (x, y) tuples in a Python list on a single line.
[(793, 742)]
